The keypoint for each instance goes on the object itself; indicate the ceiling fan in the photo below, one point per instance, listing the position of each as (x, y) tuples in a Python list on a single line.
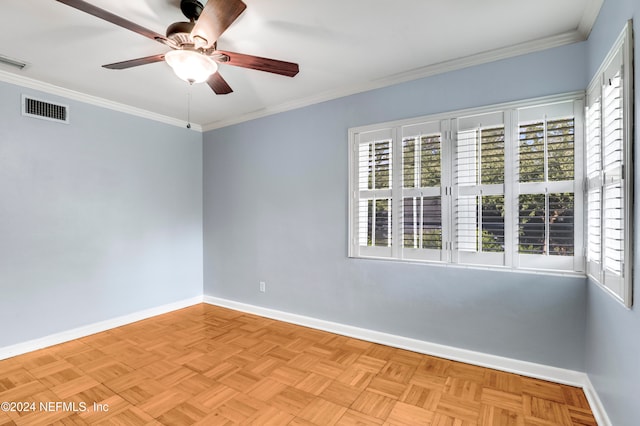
[(194, 55)]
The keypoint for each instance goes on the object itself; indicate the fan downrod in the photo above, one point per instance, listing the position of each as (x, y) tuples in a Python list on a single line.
[(191, 9)]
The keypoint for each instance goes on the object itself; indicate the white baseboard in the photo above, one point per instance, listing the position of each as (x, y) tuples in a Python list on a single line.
[(525, 368), (596, 404), (76, 333)]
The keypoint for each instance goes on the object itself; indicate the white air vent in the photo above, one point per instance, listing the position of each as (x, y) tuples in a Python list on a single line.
[(37, 108)]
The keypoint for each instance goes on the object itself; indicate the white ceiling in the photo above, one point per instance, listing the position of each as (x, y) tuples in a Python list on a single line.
[(342, 47)]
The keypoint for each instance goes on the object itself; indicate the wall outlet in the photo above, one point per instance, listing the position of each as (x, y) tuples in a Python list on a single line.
[(263, 286)]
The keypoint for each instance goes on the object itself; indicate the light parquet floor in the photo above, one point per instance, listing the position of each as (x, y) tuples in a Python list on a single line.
[(207, 365)]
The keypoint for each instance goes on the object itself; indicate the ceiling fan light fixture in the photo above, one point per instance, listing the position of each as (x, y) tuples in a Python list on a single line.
[(190, 65)]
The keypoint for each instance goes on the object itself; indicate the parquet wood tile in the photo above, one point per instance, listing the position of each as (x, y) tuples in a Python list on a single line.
[(583, 417), (544, 409), (505, 382), (498, 416), (314, 383), (356, 378), (288, 375), (206, 365), (292, 400), (500, 399), (429, 381), (215, 396), (409, 415), (322, 412), (373, 404), (421, 397), (329, 369), (240, 408), (142, 391), (267, 389), (387, 387), (356, 418), (340, 394), (4, 419), (270, 416)]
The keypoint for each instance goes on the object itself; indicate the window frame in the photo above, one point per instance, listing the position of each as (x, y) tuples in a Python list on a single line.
[(619, 58), (449, 122)]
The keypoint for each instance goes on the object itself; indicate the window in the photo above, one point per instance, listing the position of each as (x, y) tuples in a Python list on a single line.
[(498, 187), (549, 193), (422, 226), (609, 172), (479, 176), (374, 185)]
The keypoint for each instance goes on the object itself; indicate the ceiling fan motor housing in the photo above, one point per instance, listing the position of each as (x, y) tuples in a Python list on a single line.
[(180, 32)]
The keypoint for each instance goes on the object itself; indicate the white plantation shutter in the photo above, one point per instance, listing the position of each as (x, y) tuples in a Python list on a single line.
[(478, 189), (614, 228), (612, 163), (609, 172), (422, 225), (593, 165), (374, 209), (548, 192)]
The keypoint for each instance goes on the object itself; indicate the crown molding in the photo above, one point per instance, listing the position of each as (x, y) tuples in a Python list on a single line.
[(563, 39), (30, 83), (439, 68)]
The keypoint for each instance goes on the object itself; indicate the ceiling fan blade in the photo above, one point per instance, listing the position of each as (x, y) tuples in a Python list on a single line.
[(215, 18), (114, 19), (135, 62), (219, 84), (275, 66)]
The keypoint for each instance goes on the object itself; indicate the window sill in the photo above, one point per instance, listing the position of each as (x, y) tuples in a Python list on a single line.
[(547, 272)]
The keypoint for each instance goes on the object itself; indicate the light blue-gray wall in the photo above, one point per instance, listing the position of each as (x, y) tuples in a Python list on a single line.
[(98, 218), (275, 210), (103, 217), (613, 332)]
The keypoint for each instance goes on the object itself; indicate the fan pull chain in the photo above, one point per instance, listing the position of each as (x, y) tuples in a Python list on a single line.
[(189, 108)]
